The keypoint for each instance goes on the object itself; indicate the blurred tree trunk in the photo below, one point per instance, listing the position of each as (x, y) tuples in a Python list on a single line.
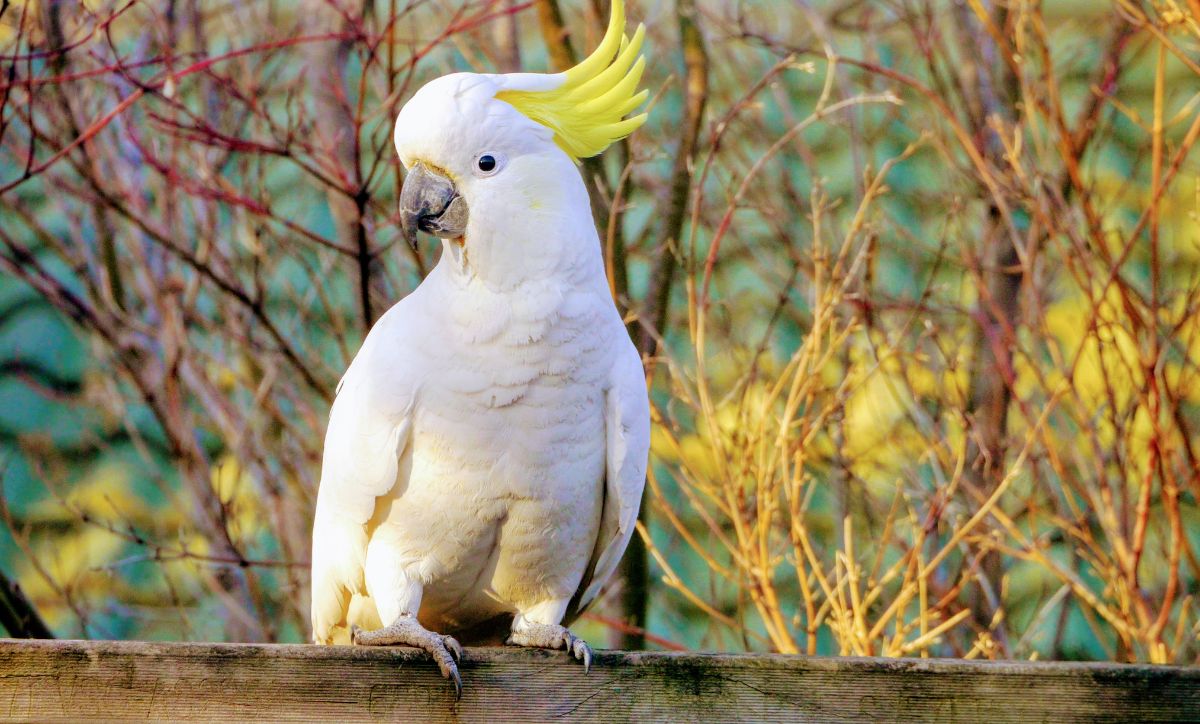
[(989, 401), (507, 38), (113, 286), (654, 315), (338, 129), (996, 95)]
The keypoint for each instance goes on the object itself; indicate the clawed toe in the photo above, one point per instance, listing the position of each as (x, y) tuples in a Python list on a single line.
[(582, 652), (450, 671), (406, 631), (446, 652), (548, 636)]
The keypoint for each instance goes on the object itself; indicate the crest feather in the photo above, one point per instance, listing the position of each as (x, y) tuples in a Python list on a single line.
[(587, 111)]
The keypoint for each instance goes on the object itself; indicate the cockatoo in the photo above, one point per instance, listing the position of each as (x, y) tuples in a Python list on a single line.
[(487, 447)]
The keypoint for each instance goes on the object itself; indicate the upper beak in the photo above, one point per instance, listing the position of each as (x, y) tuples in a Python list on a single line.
[(430, 202)]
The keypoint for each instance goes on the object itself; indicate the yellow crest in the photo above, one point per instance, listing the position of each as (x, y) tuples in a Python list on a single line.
[(586, 112)]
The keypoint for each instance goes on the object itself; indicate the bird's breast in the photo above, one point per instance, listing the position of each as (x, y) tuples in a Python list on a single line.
[(501, 484)]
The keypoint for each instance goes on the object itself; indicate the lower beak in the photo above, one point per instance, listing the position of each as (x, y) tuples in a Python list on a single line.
[(430, 202)]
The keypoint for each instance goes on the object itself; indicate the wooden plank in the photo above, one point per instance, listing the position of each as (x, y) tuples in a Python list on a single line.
[(110, 680)]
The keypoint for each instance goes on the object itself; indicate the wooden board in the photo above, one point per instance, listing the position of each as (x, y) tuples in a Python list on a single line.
[(109, 680)]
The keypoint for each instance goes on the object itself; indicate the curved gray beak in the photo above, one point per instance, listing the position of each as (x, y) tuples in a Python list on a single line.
[(429, 202)]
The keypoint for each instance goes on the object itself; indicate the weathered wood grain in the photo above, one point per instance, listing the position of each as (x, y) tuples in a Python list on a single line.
[(108, 680)]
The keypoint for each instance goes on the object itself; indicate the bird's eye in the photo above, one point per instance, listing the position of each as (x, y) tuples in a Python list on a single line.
[(487, 164)]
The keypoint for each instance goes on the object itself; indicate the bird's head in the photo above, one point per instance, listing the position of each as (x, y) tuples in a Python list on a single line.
[(489, 154)]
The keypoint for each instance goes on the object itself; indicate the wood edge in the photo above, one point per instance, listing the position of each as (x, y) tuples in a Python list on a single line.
[(652, 659)]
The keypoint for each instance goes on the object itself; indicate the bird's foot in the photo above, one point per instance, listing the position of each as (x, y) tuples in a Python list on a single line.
[(552, 636), (407, 631)]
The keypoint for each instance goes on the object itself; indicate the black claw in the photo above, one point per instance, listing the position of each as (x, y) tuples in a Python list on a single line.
[(454, 677), (581, 651), (453, 647)]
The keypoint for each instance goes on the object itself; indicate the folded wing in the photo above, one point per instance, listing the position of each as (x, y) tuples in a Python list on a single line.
[(627, 428), (368, 430)]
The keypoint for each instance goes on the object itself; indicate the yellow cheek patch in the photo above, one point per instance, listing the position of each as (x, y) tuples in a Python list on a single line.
[(587, 111)]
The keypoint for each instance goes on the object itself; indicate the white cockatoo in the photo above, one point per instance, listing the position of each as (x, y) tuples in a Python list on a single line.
[(487, 447)]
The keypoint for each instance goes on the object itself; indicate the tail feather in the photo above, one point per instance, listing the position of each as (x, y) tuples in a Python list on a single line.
[(339, 548)]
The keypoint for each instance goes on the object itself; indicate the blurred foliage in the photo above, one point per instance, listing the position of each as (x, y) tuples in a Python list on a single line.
[(928, 374)]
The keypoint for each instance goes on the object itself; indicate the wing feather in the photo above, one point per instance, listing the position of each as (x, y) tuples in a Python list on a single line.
[(368, 431), (627, 429)]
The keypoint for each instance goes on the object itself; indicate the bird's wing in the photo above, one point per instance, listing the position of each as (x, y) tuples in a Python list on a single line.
[(368, 431), (627, 430)]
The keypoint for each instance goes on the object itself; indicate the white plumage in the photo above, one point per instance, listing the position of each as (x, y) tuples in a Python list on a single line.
[(487, 447)]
